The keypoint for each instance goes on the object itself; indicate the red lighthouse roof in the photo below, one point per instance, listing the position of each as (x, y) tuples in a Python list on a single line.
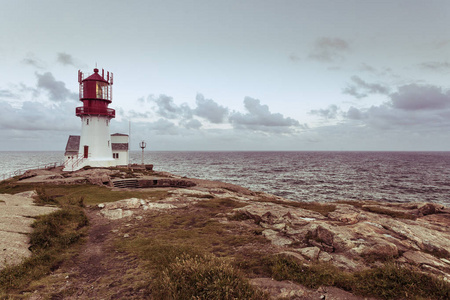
[(95, 77)]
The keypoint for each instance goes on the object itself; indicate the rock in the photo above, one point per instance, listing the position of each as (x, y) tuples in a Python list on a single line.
[(27, 194), (324, 235), (190, 193), (296, 256), (429, 209), (420, 258), (161, 206), (28, 174), (311, 253), (381, 250), (279, 289), (275, 238), (272, 213), (115, 214), (346, 263), (324, 257), (345, 213), (132, 203)]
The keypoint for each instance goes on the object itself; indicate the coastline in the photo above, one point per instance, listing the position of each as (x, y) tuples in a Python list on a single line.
[(352, 236)]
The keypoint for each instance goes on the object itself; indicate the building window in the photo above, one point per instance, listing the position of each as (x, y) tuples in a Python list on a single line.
[(116, 155), (108, 144), (107, 122), (87, 121)]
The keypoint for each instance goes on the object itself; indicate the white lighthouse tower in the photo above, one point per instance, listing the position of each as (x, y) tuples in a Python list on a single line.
[(94, 145)]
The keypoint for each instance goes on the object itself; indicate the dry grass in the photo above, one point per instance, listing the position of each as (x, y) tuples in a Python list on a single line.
[(387, 282)]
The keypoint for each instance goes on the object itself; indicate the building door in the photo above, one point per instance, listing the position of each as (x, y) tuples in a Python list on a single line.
[(86, 151)]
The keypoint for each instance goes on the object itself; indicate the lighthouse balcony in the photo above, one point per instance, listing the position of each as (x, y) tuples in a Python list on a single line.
[(80, 111)]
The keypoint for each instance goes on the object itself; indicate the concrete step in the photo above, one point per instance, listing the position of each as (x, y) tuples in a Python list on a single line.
[(126, 183)]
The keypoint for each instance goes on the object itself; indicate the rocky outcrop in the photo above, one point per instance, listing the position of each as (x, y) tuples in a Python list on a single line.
[(177, 198), (353, 237)]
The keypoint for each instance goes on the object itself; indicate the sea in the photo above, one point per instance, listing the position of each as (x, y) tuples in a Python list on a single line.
[(299, 176)]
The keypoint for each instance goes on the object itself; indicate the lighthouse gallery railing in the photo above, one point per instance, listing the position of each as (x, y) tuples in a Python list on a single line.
[(95, 111)]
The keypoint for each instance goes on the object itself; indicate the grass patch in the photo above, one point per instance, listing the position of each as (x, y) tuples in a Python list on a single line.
[(203, 277), (51, 241), (184, 253), (65, 193), (387, 282), (321, 208)]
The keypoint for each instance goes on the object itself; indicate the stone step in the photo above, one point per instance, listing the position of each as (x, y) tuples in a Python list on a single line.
[(126, 183)]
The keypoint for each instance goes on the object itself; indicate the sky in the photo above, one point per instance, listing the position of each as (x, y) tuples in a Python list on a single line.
[(235, 75)]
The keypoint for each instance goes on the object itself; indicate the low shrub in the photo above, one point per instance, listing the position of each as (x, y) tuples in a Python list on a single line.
[(390, 281), (203, 277)]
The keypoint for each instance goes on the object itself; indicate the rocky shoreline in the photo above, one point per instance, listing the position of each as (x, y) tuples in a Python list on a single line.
[(351, 235)]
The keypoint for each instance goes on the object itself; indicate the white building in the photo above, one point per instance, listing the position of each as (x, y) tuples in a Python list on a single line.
[(95, 146), (120, 148)]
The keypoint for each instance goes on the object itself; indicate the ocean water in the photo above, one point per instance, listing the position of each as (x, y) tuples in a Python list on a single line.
[(300, 176)]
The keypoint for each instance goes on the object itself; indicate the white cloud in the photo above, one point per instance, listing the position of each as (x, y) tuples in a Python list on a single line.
[(210, 110), (329, 49), (261, 119)]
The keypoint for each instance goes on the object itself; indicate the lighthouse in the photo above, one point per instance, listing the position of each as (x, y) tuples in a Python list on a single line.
[(94, 147)]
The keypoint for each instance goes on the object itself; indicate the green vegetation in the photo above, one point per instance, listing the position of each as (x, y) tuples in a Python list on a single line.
[(387, 282)]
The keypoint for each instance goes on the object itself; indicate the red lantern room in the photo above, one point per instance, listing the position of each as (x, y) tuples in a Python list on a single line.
[(96, 94)]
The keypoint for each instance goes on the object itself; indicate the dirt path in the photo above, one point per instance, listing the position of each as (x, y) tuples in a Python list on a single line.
[(97, 272)]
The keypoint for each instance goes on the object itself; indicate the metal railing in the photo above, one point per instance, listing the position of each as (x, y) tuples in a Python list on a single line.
[(23, 170), (72, 163), (95, 111)]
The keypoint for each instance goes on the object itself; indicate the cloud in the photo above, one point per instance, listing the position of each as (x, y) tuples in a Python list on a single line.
[(420, 97), (354, 114), (413, 108), (56, 90), (167, 108), (329, 113), (435, 66), (36, 116), (260, 118), (164, 127), (65, 59), (68, 60), (361, 88), (7, 94), (193, 124), (329, 49), (210, 110), (31, 60)]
